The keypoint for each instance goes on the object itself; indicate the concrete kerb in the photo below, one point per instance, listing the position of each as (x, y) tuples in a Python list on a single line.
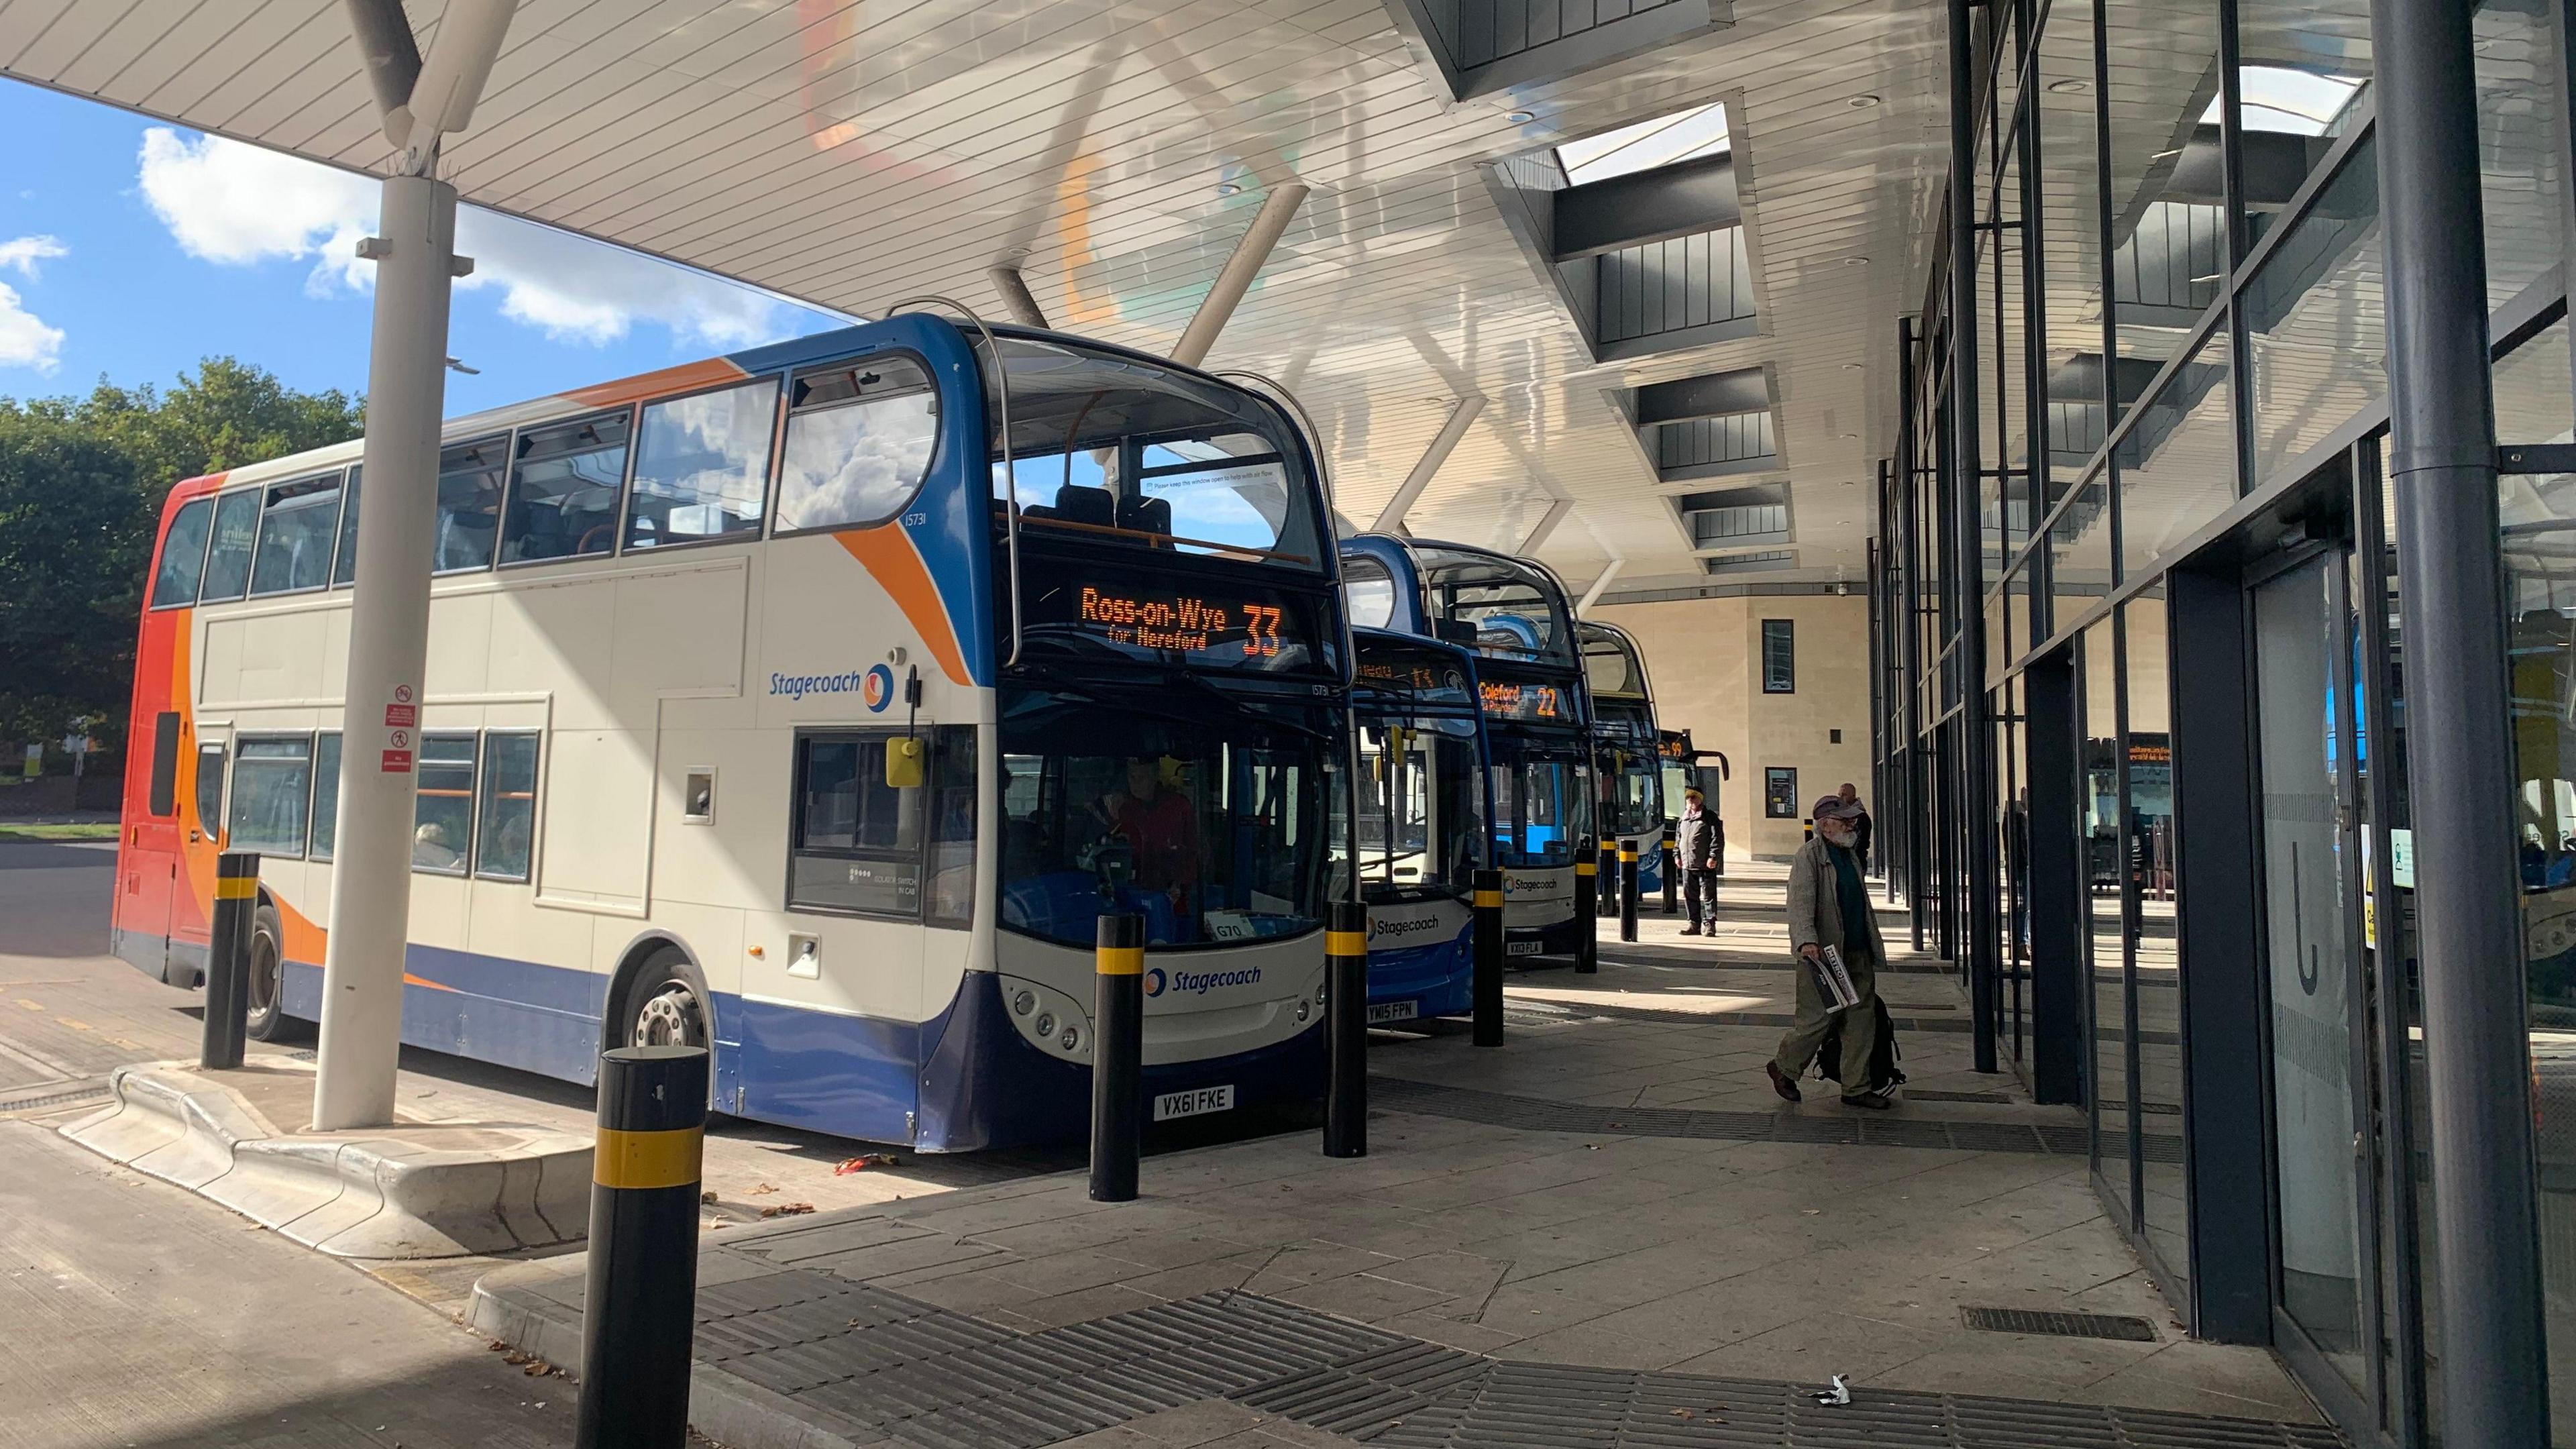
[(412, 1190)]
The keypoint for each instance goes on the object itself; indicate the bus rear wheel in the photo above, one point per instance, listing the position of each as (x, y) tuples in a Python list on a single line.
[(266, 1019), (668, 1009)]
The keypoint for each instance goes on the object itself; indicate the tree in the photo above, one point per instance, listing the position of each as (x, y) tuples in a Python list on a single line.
[(81, 487)]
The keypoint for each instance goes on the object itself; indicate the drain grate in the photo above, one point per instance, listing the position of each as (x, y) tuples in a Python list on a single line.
[(1439, 1399), (1498, 1109), (63, 1098), (2060, 1325), (1928, 1094)]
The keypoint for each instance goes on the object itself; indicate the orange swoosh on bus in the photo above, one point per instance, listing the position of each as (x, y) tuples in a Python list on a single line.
[(888, 554), (411, 980), (683, 378)]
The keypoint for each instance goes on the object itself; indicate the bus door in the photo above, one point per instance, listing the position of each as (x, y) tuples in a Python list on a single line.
[(200, 831), (153, 835)]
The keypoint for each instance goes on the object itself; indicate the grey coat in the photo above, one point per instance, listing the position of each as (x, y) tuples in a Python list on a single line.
[(1695, 841), (1815, 915)]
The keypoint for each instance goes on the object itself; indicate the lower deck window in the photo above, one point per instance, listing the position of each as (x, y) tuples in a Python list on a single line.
[(856, 840), (507, 815), (272, 786), (442, 837)]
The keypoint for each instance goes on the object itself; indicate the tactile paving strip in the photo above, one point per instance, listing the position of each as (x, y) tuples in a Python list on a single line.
[(1423, 1401), (1499, 1109)]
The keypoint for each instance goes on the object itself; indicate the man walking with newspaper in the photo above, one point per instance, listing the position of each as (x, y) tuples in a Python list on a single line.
[(1829, 918)]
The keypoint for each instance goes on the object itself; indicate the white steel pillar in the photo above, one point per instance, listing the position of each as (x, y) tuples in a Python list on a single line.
[(1547, 522), (1235, 278), (362, 972), (1391, 517), (1600, 586)]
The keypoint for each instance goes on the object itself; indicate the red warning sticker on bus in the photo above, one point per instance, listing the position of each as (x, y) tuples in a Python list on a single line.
[(405, 715), (397, 762)]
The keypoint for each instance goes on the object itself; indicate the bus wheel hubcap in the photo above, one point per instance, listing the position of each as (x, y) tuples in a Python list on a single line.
[(669, 1019)]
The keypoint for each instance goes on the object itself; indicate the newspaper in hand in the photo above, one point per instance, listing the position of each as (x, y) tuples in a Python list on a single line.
[(1834, 979)]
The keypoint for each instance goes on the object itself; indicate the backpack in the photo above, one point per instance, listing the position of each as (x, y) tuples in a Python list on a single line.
[(1884, 1073)]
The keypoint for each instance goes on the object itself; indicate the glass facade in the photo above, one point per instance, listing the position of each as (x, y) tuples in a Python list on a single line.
[(2184, 525)]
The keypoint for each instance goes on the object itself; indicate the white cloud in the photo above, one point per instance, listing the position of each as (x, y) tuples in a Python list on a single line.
[(237, 204), (25, 340), (24, 252)]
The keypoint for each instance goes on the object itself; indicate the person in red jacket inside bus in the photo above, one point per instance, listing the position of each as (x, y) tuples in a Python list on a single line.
[(1163, 827)]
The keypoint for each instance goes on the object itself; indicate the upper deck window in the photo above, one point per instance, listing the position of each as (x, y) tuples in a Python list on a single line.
[(563, 489), (183, 556), (1607, 667), (859, 439), (1369, 592), (298, 522), (470, 477), (228, 560), (1515, 609), (701, 465), (1122, 451)]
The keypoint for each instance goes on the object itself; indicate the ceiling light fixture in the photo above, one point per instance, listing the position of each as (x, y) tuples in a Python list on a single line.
[(1855, 261), (1861, 103), (1521, 118), (2067, 87), (1228, 188), (1854, 367)]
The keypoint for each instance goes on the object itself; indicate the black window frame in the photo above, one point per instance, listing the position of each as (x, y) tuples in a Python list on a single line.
[(162, 800), (799, 744), (787, 414), (1783, 680), (1772, 799)]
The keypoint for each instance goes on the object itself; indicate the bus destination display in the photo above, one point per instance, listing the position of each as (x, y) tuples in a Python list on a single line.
[(1213, 626), (1546, 703), (1427, 681)]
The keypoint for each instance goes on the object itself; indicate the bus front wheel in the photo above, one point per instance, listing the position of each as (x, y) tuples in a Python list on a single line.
[(668, 1009)]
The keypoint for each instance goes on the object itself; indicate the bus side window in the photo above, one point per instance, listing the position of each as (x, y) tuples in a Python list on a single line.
[(164, 799), (854, 841), (183, 558), (210, 786), (508, 814), (228, 560), (952, 825), (326, 794)]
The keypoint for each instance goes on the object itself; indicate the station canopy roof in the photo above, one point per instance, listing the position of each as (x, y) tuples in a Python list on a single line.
[(853, 153)]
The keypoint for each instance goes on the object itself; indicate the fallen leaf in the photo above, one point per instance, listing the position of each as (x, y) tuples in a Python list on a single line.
[(707, 1196), (866, 1160), (764, 1189), (786, 1209)]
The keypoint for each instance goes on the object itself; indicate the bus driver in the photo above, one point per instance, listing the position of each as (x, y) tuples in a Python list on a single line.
[(1162, 827)]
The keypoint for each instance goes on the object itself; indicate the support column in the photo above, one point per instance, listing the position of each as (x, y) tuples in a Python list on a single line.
[(1235, 278), (1976, 748), (1391, 517), (1600, 586), (2461, 761), (362, 976)]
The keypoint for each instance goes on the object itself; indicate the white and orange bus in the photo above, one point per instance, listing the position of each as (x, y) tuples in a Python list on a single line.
[(791, 704)]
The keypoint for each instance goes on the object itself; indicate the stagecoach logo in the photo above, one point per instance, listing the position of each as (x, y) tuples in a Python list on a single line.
[(1390, 928), (1199, 983), (874, 686)]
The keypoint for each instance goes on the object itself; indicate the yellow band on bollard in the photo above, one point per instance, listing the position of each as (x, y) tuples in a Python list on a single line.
[(1585, 867), (1345, 943), (1119, 961), (1489, 898), (648, 1159), (1628, 853), (236, 888)]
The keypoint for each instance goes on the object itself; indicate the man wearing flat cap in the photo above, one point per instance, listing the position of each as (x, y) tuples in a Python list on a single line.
[(1829, 906)]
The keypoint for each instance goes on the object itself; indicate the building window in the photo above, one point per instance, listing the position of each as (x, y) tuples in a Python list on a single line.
[(1780, 793), (1780, 656), (507, 817), (442, 836), (859, 436), (272, 787), (855, 841)]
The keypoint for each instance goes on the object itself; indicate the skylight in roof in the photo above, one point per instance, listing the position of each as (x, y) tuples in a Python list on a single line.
[(1682, 136), (2285, 99)]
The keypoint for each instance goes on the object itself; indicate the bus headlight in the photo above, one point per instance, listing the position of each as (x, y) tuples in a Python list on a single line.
[(1024, 1002), (1070, 1039), (1303, 1010), (1046, 1023)]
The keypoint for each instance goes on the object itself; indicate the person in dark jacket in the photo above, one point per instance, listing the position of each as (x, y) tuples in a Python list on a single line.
[(1695, 850), (1829, 906), (1849, 794)]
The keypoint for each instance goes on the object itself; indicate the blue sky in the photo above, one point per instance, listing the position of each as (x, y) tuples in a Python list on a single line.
[(148, 247)]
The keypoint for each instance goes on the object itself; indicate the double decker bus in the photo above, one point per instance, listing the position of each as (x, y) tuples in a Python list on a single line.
[(809, 704), (1422, 835), (1634, 807), (1516, 616)]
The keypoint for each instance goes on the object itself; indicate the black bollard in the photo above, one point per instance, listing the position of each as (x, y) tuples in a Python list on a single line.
[(1486, 991), (228, 961), (639, 1317), (1627, 892), (1608, 882), (1587, 915), (1117, 1056), (1672, 863), (1346, 1029)]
